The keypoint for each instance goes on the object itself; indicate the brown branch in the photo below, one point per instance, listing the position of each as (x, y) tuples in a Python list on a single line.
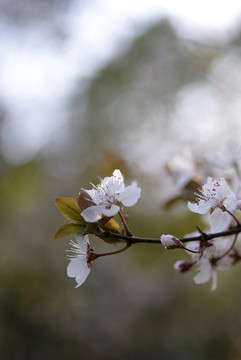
[(139, 240)]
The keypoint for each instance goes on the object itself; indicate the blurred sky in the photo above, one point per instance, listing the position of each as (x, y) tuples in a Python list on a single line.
[(37, 74)]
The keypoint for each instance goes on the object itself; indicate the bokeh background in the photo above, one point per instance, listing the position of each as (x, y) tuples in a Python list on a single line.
[(87, 87)]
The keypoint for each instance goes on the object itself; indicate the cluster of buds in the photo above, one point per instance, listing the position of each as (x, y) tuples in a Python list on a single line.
[(94, 211)]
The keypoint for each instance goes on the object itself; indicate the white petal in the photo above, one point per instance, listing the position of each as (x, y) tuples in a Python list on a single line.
[(130, 195), (204, 273), (209, 184), (118, 175), (219, 220), (77, 266), (82, 242), (113, 210), (113, 184), (231, 202), (81, 279), (93, 213), (214, 280), (202, 208), (95, 196), (79, 269), (223, 189), (92, 193)]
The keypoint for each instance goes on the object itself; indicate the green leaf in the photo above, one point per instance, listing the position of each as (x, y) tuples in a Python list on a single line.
[(67, 229), (70, 209)]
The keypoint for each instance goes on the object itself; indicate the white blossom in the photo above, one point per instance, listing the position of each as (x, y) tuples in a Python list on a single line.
[(216, 197), (79, 265), (207, 262), (108, 195), (202, 264)]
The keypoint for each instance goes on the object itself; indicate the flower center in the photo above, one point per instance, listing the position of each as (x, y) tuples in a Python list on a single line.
[(75, 250), (210, 194)]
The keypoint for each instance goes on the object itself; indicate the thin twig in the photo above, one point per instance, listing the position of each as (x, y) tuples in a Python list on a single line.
[(136, 239)]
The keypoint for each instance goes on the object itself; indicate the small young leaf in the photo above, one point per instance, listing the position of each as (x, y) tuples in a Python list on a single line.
[(111, 225), (70, 209), (69, 229)]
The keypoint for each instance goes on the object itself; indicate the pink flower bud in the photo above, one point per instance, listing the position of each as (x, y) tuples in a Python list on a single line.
[(171, 242), (183, 265)]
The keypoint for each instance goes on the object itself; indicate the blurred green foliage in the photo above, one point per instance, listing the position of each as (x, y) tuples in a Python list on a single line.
[(133, 305)]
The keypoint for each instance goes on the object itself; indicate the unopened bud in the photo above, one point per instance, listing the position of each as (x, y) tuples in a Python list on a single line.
[(171, 242), (183, 265)]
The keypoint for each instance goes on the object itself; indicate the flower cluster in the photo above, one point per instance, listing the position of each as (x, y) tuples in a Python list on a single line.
[(214, 249), (207, 259), (221, 201), (102, 202)]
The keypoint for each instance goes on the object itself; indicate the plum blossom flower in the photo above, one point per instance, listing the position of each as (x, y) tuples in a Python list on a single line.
[(203, 264), (108, 196), (80, 259), (206, 263), (216, 197)]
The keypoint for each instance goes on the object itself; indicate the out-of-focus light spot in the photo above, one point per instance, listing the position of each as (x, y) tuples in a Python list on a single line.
[(22, 140), (35, 79), (31, 74), (18, 143)]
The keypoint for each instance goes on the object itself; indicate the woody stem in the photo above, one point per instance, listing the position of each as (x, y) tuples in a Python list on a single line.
[(128, 232), (192, 251), (136, 240), (233, 216), (231, 247), (114, 252)]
